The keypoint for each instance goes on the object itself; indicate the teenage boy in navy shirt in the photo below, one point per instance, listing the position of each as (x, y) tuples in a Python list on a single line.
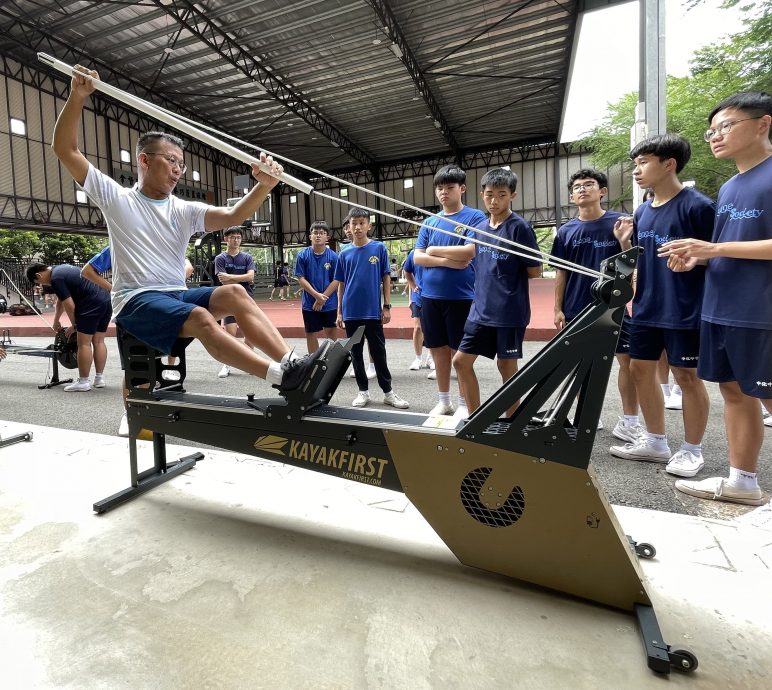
[(590, 238), (234, 267), (362, 276), (736, 331), (315, 271), (666, 306), (448, 280), (501, 308)]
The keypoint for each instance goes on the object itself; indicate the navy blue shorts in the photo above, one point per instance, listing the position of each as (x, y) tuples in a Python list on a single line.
[(681, 345), (156, 318), (95, 319), (492, 341), (229, 320), (731, 353), (443, 321), (415, 310), (316, 321)]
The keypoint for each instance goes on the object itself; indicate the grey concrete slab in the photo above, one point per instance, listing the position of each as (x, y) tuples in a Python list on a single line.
[(246, 573)]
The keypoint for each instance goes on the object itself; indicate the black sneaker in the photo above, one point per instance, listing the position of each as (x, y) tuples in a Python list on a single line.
[(299, 370)]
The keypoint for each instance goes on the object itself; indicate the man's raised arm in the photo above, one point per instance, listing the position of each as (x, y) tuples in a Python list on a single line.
[(65, 143)]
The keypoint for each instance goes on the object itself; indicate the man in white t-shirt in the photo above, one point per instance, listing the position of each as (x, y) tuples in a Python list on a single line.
[(149, 232)]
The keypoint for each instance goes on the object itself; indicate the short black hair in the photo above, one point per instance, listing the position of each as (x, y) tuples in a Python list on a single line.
[(449, 174), (756, 103), (499, 177), (357, 212), (235, 230), (664, 146), (588, 174), (33, 270), (319, 225), (149, 138)]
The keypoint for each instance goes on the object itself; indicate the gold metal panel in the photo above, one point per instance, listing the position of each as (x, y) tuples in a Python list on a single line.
[(562, 534)]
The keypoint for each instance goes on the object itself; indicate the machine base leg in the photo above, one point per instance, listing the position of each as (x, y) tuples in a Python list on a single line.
[(26, 436), (55, 378), (148, 482), (660, 656)]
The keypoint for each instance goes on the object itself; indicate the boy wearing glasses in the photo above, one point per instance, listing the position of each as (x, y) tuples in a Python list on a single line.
[(149, 232), (666, 306), (590, 238), (315, 271), (736, 330)]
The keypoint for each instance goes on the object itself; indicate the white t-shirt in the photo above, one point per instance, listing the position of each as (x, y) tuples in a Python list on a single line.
[(148, 237)]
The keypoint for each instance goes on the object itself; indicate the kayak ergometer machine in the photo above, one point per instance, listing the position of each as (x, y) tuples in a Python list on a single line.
[(510, 494)]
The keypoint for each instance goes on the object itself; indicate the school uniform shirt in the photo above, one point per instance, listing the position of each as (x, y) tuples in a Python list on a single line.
[(586, 243), (237, 265), (103, 261), (440, 282), (361, 269), (411, 267), (664, 298), (66, 281), (738, 292), (319, 270), (501, 296)]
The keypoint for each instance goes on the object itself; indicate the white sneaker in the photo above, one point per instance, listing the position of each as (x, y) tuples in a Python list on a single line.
[(371, 371), (123, 427), (77, 387), (99, 382), (626, 433), (640, 450), (432, 375), (719, 489), (362, 399), (761, 518), (223, 374), (429, 363), (674, 400), (767, 417), (685, 464), (600, 425), (442, 409), (462, 412), (391, 398), (415, 365), (351, 373), (172, 375)]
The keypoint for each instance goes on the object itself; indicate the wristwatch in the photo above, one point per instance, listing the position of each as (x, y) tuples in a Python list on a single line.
[(386, 305)]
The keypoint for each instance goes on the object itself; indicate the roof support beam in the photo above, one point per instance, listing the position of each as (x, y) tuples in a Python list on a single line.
[(193, 20), (394, 31)]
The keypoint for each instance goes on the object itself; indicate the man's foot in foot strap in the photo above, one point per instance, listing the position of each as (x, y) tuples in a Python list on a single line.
[(299, 370)]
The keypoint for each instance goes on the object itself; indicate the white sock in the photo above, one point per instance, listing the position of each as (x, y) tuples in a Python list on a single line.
[(461, 402), (656, 441), (444, 398), (98, 375), (665, 389), (82, 380), (740, 479), (693, 448), (275, 372), (631, 420)]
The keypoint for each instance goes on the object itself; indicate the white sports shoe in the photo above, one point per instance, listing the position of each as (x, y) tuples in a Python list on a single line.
[(172, 375), (123, 427), (719, 489), (362, 399), (685, 464), (462, 412), (442, 409), (767, 417), (432, 375), (351, 373), (674, 400), (371, 371), (99, 382), (77, 387), (415, 365), (761, 518), (640, 450), (600, 425), (223, 373), (429, 364), (391, 398), (626, 433)]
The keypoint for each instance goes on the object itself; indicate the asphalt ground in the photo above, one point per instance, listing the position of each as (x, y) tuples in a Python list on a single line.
[(628, 483)]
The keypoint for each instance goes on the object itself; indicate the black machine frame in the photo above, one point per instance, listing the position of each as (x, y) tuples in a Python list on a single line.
[(550, 433)]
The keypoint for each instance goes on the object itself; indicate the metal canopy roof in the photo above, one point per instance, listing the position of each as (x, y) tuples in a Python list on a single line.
[(334, 84)]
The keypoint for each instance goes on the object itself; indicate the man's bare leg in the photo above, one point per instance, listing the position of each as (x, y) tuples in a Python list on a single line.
[(463, 362), (626, 386), (85, 354), (650, 398), (507, 368), (696, 404), (744, 427)]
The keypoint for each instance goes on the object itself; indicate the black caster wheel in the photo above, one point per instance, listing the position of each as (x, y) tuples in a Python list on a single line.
[(682, 659), (644, 550)]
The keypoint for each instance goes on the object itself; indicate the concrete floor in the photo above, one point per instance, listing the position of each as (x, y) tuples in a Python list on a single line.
[(249, 574)]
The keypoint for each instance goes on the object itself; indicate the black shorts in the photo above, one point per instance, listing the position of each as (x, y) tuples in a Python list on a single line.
[(415, 310), (681, 345), (492, 341), (316, 321), (443, 321), (94, 319)]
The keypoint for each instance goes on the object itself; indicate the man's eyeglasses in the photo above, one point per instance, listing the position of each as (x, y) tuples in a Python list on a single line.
[(725, 127), (584, 185), (173, 160)]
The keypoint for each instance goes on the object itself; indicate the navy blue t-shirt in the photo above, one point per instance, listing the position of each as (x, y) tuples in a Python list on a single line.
[(587, 243), (738, 292), (361, 269), (440, 282), (235, 265), (501, 296), (319, 270), (417, 271), (663, 298), (66, 281)]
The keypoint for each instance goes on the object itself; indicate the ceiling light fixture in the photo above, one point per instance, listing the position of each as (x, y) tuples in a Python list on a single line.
[(394, 48)]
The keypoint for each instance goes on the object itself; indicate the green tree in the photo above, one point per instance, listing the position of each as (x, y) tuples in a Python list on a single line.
[(19, 244), (62, 248), (740, 63)]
